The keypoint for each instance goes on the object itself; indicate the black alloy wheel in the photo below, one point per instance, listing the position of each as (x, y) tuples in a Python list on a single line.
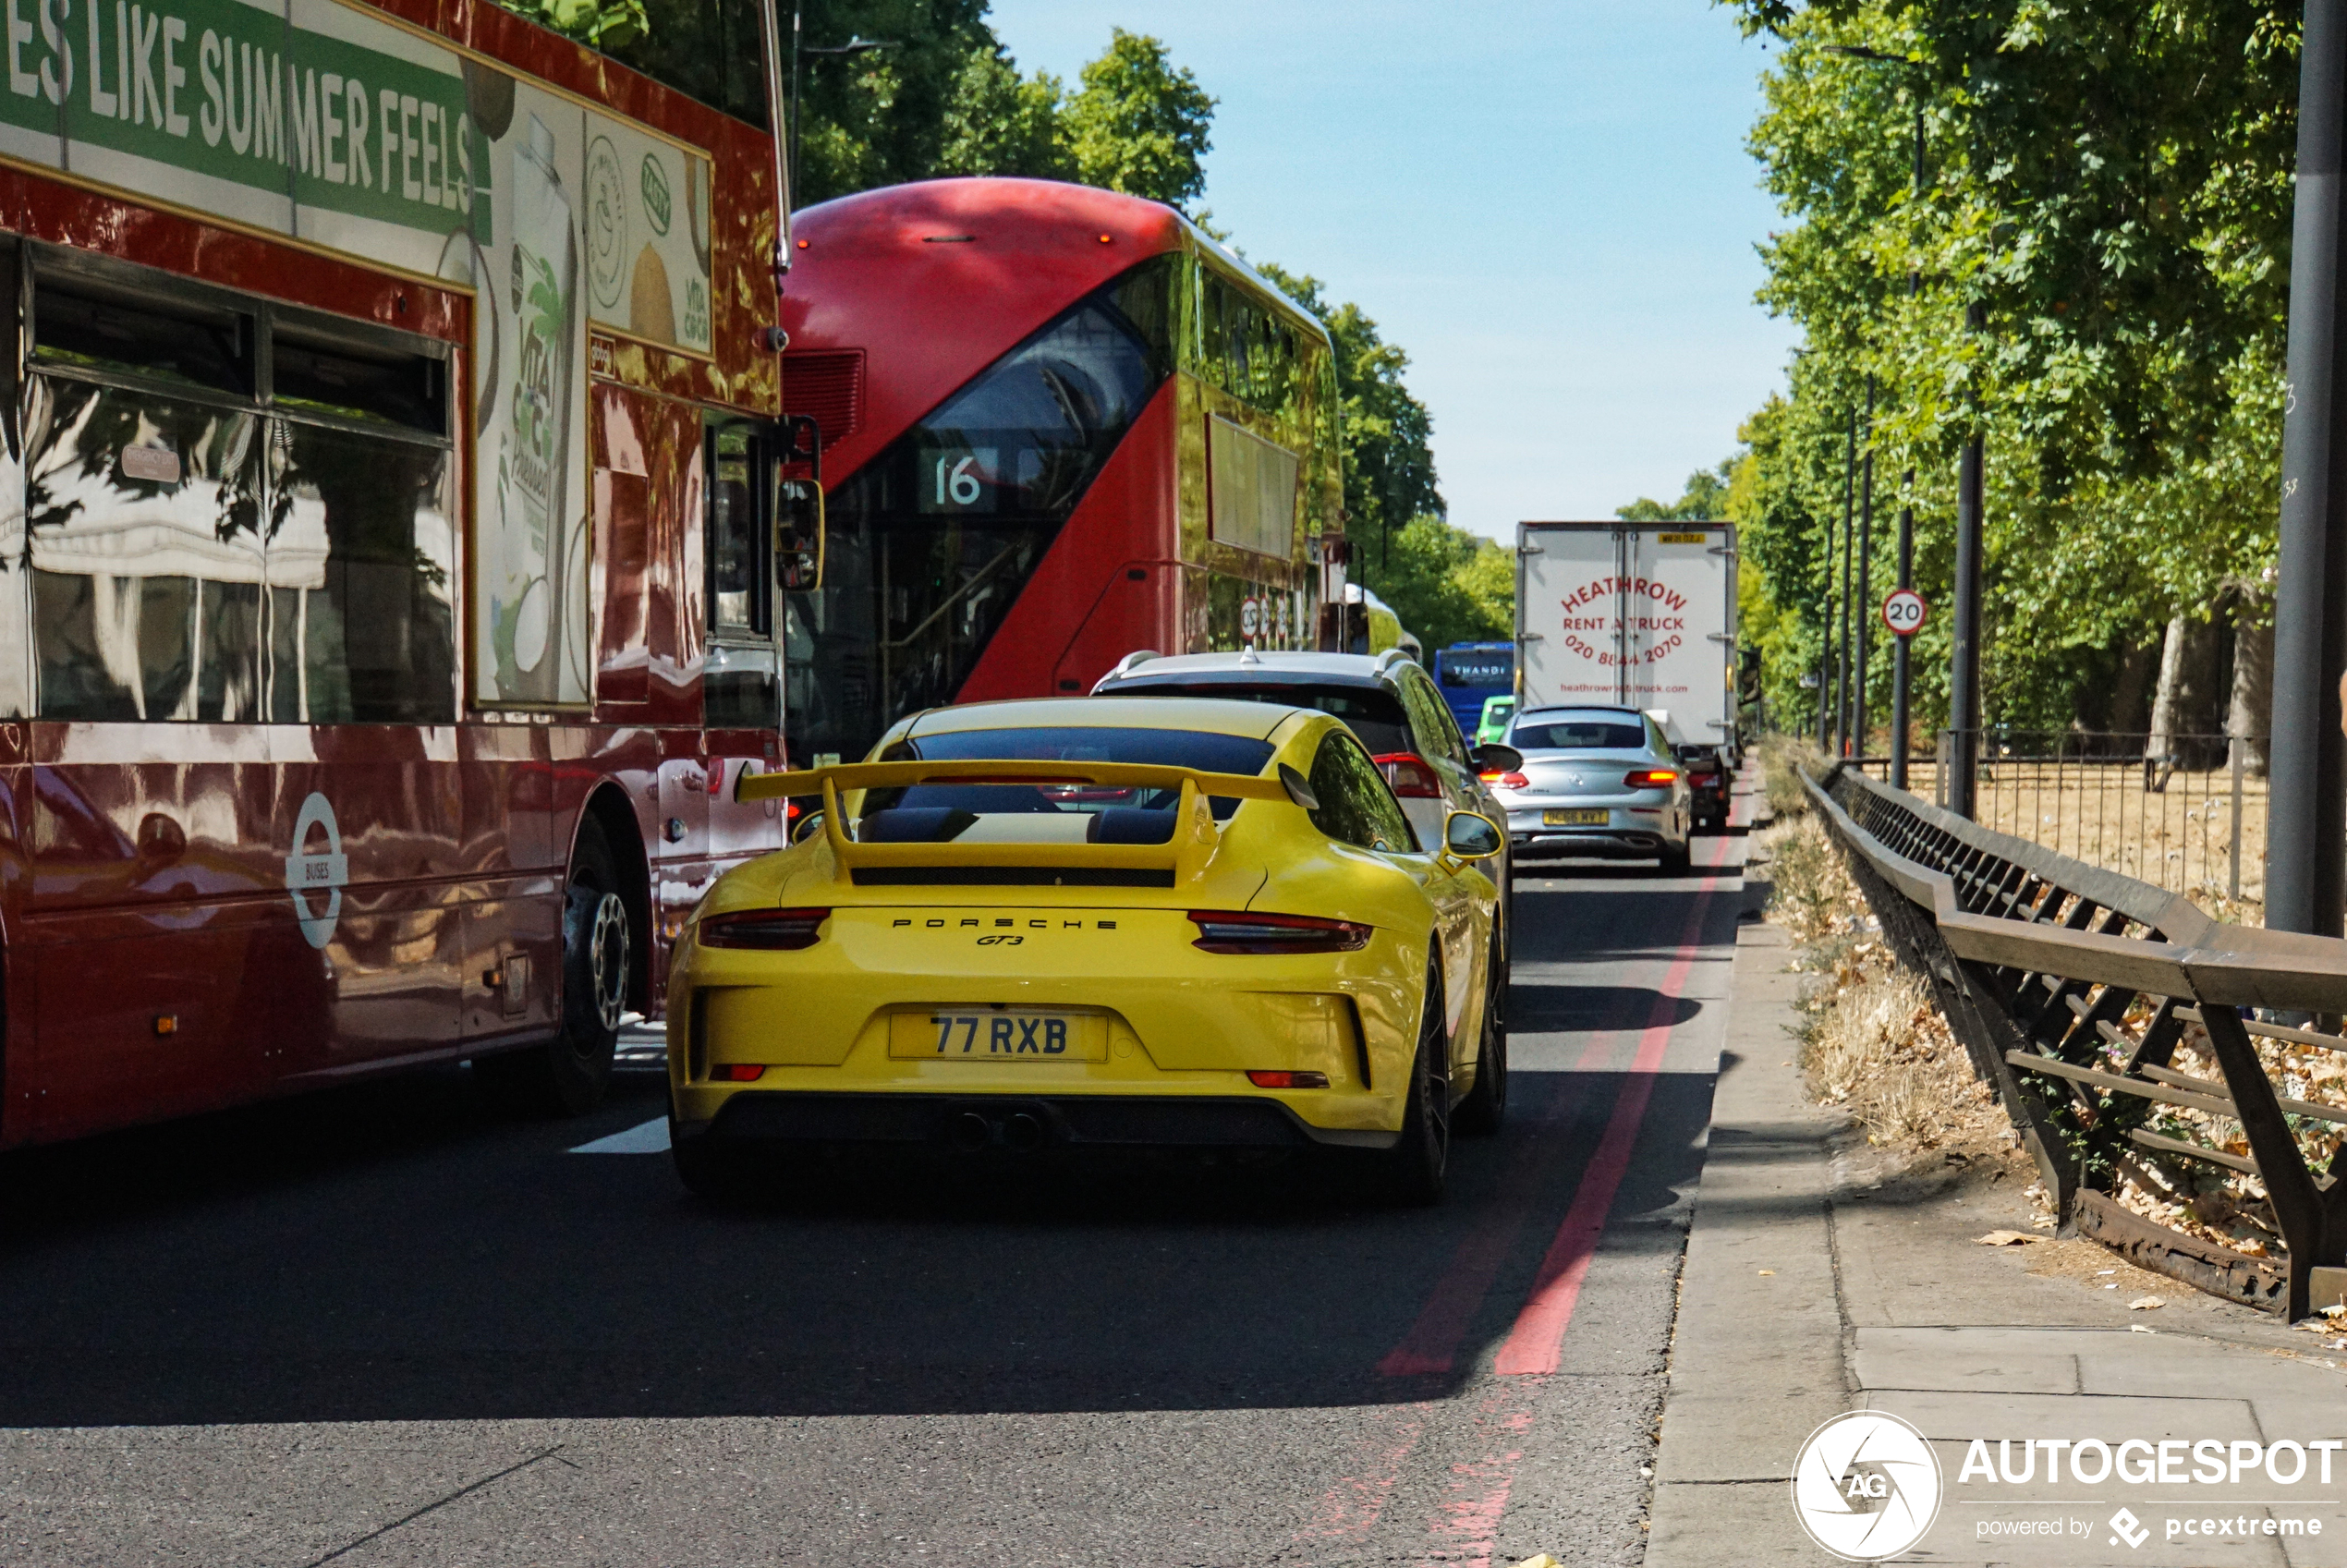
[(568, 1074), (1415, 1167), (1486, 1105)]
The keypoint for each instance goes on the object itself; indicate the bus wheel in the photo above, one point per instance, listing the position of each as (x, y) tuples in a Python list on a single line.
[(569, 1073)]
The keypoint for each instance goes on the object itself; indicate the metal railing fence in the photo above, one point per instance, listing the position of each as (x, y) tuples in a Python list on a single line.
[(2185, 813), (2132, 1039)]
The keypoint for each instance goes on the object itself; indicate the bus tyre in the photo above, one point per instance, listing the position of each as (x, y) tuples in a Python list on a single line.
[(1415, 1167), (1486, 1105), (568, 1074)]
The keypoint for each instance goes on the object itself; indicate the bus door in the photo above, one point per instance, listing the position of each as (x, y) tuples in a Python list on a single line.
[(763, 516)]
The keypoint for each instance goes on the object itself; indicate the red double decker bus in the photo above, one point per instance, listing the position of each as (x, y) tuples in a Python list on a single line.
[(1059, 425), (386, 587)]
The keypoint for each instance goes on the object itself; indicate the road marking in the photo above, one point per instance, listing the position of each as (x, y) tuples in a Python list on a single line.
[(1432, 1343), (1534, 1343), (649, 1137)]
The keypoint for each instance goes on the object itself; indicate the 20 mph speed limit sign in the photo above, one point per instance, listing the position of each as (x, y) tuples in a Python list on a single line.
[(1905, 611)]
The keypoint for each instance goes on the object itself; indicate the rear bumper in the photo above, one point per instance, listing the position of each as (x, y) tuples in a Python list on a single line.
[(974, 1123), (1585, 843)]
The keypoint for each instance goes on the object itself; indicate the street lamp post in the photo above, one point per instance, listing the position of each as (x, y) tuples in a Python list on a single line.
[(2307, 825), (1865, 579), (1901, 642), (1963, 657), (855, 44), (1841, 654)]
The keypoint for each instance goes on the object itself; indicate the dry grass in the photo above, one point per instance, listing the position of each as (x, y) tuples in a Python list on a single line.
[(1784, 759), (1874, 1042), (2178, 838)]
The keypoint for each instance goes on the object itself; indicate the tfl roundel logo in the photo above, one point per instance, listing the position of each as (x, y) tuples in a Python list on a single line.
[(1865, 1486), (316, 878)]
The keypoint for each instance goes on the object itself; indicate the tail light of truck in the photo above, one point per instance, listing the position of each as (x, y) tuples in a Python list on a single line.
[(1410, 776)]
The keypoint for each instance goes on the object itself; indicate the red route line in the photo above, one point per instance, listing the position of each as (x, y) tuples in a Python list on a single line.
[(1534, 1344), (1432, 1343)]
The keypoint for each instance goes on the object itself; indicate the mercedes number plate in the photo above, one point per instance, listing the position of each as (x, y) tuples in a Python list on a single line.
[(1579, 817), (989, 1033)]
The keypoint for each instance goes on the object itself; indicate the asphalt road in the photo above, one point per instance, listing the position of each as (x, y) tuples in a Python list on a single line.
[(381, 1326)]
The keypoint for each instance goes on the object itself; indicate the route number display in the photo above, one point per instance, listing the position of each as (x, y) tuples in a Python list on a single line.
[(1905, 611)]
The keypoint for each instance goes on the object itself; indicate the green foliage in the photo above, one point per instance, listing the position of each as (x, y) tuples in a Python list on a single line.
[(1140, 123), (1447, 585), (2106, 192), (598, 24), (1704, 500), (998, 122)]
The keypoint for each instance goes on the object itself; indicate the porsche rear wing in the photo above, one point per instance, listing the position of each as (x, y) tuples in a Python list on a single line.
[(1180, 858)]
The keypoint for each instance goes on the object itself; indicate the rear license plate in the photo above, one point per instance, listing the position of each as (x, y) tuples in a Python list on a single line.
[(1580, 817), (984, 1033)]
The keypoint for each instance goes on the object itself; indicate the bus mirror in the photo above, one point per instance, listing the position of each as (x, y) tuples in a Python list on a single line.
[(798, 536)]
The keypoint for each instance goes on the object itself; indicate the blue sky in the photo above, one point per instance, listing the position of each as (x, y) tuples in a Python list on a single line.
[(1548, 205)]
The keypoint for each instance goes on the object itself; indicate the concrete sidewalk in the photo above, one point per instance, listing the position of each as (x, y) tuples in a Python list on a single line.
[(1813, 1286)]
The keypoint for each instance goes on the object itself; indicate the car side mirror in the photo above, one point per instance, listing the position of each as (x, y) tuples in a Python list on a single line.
[(798, 536), (1493, 758), (806, 827), (1299, 789), (1470, 835)]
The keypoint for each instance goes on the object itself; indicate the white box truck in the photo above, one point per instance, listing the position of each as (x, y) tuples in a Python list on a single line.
[(1643, 614)]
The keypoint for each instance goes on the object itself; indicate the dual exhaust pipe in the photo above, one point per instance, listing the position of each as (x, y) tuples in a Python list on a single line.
[(1021, 1131)]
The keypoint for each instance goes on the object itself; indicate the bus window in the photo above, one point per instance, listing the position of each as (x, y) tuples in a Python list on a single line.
[(739, 686), (364, 624), (95, 325), (738, 502), (147, 564)]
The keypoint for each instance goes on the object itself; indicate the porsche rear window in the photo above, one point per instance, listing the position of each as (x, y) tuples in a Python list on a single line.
[(1577, 734), (1173, 748)]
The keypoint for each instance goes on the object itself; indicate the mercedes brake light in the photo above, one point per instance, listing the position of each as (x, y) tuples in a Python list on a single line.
[(1411, 777), (1506, 780), (1236, 932), (1651, 778), (764, 930)]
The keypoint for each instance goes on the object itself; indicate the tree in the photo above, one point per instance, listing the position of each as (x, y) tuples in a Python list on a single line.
[(1444, 584), (998, 122), (1705, 499), (1139, 124), (2105, 194)]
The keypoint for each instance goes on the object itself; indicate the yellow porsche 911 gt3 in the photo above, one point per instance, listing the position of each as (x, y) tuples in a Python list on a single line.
[(1095, 922)]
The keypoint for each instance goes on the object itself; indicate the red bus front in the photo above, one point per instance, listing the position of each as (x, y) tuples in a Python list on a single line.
[(1061, 425)]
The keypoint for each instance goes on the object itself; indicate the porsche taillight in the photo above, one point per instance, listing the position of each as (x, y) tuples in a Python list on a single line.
[(1238, 931), (765, 930), (1411, 777)]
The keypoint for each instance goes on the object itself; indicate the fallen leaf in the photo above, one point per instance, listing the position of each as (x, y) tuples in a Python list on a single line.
[(2145, 1303), (1766, 1271), (2007, 1238), (1543, 1560), (2141, 1328)]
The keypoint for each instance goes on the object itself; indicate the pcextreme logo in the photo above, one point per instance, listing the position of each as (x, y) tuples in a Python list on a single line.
[(1865, 1486)]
